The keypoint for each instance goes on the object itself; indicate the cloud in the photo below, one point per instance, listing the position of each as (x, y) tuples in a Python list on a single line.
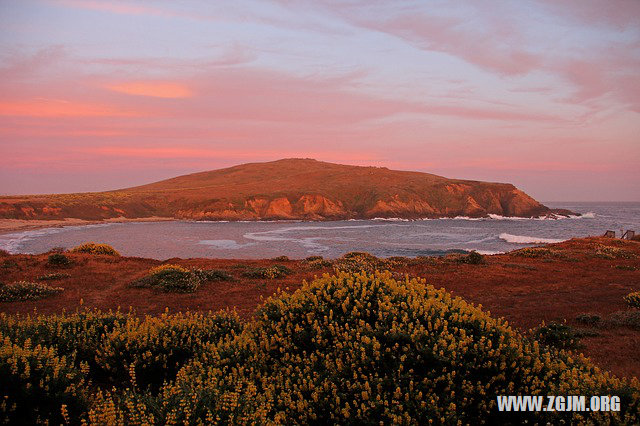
[(55, 108), (157, 89)]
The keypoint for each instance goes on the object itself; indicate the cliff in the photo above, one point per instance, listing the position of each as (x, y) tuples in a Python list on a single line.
[(287, 189)]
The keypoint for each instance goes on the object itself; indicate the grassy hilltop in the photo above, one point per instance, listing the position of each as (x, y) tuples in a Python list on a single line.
[(286, 189)]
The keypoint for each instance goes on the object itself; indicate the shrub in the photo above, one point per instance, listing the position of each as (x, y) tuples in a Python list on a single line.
[(9, 264), (23, 290), (627, 267), (93, 248), (281, 259), (55, 276), (534, 252), (270, 272), (633, 299), (359, 262), (316, 262), (630, 318), (473, 258), (345, 349), (58, 259), (147, 352), (559, 335), (589, 319), (313, 258), (170, 278), (607, 252), (37, 383), (363, 349), (212, 275)]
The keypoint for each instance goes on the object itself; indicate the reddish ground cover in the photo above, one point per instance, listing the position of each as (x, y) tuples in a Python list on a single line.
[(526, 287)]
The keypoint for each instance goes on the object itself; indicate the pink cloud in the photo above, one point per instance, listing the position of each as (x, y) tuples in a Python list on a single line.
[(119, 7), (158, 89), (54, 108)]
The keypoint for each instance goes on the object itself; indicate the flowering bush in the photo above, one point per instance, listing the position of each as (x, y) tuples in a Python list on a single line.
[(93, 248), (315, 262), (358, 349), (608, 252), (533, 252), (170, 278), (37, 382), (347, 349), (633, 299), (23, 290), (270, 272)]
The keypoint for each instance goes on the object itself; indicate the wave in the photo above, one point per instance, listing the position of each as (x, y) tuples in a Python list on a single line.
[(391, 219), (488, 252), (224, 244), (524, 239)]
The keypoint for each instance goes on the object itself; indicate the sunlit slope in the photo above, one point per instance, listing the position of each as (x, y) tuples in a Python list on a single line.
[(287, 189)]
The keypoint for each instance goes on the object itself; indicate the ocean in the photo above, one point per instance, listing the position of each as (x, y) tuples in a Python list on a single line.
[(383, 238)]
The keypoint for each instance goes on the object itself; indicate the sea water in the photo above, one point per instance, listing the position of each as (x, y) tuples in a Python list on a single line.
[(384, 238)]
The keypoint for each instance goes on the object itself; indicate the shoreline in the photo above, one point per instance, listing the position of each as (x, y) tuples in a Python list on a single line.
[(8, 226)]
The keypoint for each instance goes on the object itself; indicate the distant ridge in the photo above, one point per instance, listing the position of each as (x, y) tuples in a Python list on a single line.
[(295, 189)]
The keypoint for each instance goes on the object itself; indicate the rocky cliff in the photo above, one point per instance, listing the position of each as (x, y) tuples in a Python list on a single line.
[(288, 189)]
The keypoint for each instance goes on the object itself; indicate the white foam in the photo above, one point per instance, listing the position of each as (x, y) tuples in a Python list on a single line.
[(489, 252), (524, 239), (500, 217), (391, 219), (224, 244)]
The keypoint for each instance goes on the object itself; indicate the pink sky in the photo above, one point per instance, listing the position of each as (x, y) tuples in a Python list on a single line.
[(98, 95)]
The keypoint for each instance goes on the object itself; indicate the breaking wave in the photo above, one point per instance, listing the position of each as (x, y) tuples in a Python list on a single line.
[(524, 239)]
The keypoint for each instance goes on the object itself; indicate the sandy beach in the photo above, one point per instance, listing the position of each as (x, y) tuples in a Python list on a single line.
[(13, 225)]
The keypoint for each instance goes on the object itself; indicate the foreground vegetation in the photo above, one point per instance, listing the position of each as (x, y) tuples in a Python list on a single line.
[(351, 348)]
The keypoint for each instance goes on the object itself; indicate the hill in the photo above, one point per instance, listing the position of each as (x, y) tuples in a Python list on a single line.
[(287, 189)]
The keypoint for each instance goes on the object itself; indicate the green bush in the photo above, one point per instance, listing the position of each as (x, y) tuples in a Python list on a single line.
[(58, 259), (9, 264), (629, 318), (55, 276), (473, 258), (281, 259), (534, 252), (93, 248), (270, 272), (558, 335), (356, 261), (170, 278), (316, 262), (589, 319), (23, 290), (212, 275), (633, 299)]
